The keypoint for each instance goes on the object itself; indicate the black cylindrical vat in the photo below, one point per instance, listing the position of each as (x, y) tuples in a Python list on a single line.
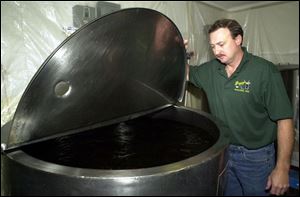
[(198, 174)]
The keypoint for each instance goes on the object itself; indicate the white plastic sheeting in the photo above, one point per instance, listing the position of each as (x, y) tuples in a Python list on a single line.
[(272, 32), (30, 31)]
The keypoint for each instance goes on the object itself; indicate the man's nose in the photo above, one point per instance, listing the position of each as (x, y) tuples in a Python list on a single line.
[(217, 50)]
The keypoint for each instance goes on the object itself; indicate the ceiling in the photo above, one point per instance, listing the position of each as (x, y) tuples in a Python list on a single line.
[(232, 6)]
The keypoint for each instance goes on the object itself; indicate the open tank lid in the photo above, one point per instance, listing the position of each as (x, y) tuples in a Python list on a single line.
[(117, 67)]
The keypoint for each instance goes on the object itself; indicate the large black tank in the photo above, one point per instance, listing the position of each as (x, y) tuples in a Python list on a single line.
[(101, 117)]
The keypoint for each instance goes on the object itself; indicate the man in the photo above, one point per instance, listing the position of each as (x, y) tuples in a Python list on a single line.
[(247, 93)]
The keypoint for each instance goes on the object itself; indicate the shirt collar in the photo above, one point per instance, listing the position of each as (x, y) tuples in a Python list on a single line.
[(245, 59)]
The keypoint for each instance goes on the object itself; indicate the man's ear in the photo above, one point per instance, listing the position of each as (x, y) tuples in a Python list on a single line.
[(238, 40)]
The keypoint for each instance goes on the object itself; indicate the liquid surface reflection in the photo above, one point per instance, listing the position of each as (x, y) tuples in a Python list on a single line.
[(139, 143)]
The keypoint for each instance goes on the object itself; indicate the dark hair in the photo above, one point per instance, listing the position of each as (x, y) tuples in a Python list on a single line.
[(233, 26)]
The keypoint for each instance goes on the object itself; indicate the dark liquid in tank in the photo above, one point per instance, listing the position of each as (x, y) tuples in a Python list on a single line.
[(139, 143)]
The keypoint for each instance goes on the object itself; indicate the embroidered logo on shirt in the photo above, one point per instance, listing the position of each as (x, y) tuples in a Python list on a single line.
[(242, 86)]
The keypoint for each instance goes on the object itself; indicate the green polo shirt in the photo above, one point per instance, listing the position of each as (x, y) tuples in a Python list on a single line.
[(249, 102)]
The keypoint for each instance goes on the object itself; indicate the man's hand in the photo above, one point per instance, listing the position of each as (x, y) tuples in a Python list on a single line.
[(278, 182), (189, 54), (185, 42), (188, 57)]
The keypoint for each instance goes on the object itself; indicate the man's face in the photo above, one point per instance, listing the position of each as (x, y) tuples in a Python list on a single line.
[(223, 45)]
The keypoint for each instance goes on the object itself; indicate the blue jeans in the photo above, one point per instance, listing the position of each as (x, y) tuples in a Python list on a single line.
[(247, 171)]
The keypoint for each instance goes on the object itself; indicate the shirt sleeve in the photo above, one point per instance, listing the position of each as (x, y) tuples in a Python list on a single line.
[(275, 95), (195, 76)]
